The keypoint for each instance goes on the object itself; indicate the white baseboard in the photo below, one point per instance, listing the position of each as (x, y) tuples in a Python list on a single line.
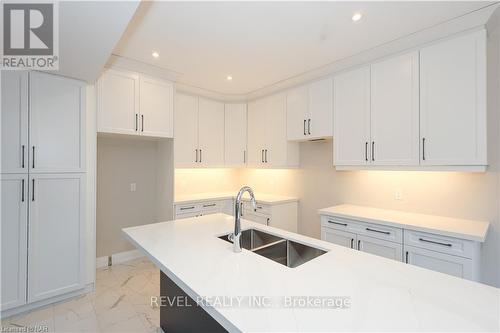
[(118, 258)]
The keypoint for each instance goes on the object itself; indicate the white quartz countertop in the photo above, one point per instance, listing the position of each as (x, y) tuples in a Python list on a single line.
[(263, 198), (385, 295), (447, 226)]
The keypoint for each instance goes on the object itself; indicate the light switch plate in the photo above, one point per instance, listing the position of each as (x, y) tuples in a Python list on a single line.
[(133, 187)]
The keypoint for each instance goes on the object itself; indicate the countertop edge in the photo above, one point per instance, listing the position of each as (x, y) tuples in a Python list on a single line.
[(409, 226)]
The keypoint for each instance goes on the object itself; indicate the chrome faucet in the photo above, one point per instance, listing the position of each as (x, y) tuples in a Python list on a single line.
[(237, 216)]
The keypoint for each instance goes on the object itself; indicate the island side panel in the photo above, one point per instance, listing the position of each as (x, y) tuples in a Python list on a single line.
[(179, 313)]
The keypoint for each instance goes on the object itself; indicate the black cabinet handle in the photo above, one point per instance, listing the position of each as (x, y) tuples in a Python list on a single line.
[(33, 190), (434, 242), (267, 221), (359, 244), (22, 156), (304, 127), (33, 162), (142, 123), (366, 151), (209, 205), (22, 190), (200, 155), (309, 126), (265, 154), (136, 122), (196, 152), (187, 208), (244, 156), (379, 231), (262, 155), (406, 257), (338, 223), (352, 242), (373, 150), (423, 149)]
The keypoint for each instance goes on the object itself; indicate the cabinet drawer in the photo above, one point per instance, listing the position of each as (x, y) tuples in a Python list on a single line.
[(187, 208), (262, 209), (259, 218), (443, 244), (210, 206), (383, 232)]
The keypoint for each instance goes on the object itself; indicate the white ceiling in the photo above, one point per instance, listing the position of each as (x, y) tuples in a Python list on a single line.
[(263, 43), (88, 34)]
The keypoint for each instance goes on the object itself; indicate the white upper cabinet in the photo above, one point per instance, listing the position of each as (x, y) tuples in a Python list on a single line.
[(267, 134), (129, 103), (395, 111), (14, 120), (210, 133), (352, 117), (57, 116), (156, 107), (235, 138), (14, 239), (297, 113), (199, 132), (310, 111), (453, 101), (186, 130), (118, 102)]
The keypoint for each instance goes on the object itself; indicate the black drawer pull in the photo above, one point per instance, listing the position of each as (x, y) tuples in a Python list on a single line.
[(209, 205), (186, 208), (379, 231), (338, 223), (433, 242)]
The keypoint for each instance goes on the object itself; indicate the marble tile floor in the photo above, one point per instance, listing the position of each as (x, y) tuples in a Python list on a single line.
[(120, 303)]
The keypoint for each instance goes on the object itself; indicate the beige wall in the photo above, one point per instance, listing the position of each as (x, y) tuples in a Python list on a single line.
[(188, 181), (121, 161)]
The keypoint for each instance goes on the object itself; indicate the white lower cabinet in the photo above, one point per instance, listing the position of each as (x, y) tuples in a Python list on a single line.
[(338, 237), (450, 255), (440, 262), (14, 246), (195, 209), (277, 215), (379, 247), (56, 235)]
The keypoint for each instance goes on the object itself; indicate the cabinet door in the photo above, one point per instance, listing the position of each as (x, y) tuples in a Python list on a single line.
[(275, 145), (14, 231), (453, 101), (57, 115), (56, 235), (297, 104), (186, 131), (347, 239), (156, 107), (436, 261), (14, 119), (379, 247), (320, 120), (352, 117), (395, 111), (211, 133), (118, 102), (256, 132), (235, 138)]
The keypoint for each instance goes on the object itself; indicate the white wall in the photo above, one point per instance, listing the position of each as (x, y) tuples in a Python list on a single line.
[(120, 162)]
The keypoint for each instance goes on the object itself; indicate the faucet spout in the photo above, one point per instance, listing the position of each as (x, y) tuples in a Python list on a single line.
[(237, 216)]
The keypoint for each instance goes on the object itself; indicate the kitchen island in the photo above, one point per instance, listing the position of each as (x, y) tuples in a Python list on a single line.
[(376, 294)]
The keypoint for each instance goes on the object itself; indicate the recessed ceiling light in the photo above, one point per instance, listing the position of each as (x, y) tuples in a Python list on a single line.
[(356, 17), (155, 54), (229, 77)]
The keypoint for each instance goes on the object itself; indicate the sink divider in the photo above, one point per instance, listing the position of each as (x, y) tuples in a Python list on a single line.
[(268, 245)]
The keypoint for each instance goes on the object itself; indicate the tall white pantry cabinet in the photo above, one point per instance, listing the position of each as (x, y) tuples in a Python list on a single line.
[(43, 187)]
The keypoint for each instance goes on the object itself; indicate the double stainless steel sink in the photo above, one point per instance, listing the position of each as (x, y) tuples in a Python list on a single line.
[(284, 251)]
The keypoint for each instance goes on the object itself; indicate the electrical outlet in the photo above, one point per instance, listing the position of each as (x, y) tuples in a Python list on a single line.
[(133, 187), (398, 195)]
